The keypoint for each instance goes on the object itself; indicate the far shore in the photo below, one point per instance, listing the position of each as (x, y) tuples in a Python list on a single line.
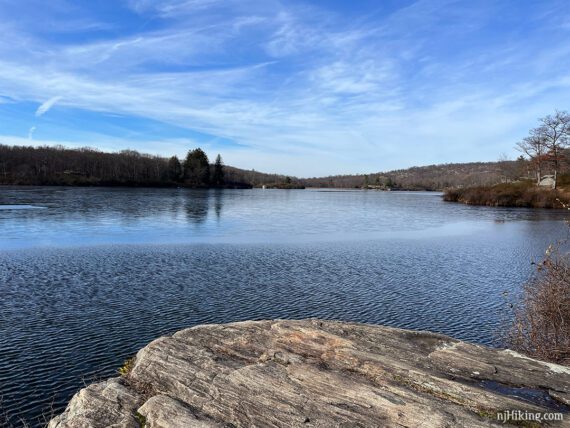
[(523, 194)]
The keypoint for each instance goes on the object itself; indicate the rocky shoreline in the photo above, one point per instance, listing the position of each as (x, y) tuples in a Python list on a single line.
[(313, 373)]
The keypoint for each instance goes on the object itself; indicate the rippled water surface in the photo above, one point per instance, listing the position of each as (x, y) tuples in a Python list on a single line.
[(90, 275)]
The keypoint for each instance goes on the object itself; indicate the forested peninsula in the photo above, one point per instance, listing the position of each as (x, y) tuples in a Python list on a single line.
[(60, 166), (542, 177)]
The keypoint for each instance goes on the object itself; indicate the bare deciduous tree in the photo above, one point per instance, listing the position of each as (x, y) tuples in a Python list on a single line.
[(555, 131), (546, 144), (534, 146)]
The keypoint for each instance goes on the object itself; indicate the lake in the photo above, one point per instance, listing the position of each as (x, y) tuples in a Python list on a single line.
[(90, 275)]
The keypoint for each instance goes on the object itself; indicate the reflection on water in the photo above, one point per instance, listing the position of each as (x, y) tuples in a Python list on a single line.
[(197, 208), (93, 216), (76, 301)]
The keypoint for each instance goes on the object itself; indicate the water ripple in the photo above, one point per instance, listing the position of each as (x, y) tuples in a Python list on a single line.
[(72, 313)]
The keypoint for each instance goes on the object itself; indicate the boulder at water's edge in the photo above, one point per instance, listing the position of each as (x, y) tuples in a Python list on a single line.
[(313, 373)]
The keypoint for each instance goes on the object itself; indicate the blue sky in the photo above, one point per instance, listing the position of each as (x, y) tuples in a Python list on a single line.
[(298, 87)]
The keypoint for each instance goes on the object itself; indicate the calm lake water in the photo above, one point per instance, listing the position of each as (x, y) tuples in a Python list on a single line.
[(90, 275)]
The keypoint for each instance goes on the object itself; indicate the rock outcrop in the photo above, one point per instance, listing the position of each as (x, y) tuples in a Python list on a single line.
[(314, 373)]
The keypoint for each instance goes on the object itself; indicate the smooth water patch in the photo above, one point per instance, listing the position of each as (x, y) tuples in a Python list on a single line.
[(540, 397), (108, 216), (20, 207)]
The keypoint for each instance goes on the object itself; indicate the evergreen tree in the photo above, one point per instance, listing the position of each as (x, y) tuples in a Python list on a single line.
[(218, 176), (197, 168), (174, 169)]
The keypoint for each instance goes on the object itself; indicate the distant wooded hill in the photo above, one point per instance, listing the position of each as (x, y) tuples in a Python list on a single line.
[(431, 177), (62, 166)]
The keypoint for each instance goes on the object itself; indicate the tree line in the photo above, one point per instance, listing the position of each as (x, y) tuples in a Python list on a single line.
[(430, 177), (86, 166), (545, 150), (58, 165)]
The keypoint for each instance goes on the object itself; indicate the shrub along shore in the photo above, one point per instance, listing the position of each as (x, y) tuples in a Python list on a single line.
[(518, 194)]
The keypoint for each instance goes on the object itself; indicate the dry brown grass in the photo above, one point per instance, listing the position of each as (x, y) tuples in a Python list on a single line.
[(541, 325), (520, 194)]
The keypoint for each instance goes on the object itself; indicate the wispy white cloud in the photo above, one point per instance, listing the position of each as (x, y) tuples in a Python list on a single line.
[(174, 8), (412, 85), (47, 105), (31, 133)]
